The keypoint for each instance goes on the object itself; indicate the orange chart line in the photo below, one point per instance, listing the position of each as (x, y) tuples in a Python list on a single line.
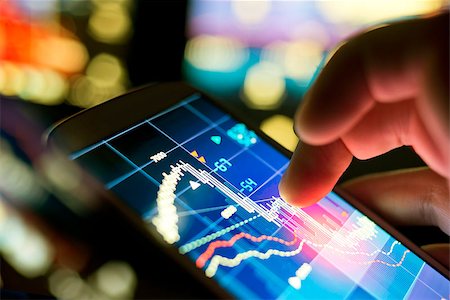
[(203, 258)]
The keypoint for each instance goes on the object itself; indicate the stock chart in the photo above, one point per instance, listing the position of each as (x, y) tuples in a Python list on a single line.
[(209, 186)]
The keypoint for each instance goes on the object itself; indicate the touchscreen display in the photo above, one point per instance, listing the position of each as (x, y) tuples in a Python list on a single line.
[(209, 185)]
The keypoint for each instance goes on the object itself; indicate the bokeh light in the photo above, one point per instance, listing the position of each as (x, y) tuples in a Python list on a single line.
[(116, 279), (110, 22), (105, 78), (369, 11), (62, 54), (41, 61), (264, 86), (281, 129), (17, 179), (216, 53), (251, 11), (67, 284), (113, 280), (22, 246), (294, 36)]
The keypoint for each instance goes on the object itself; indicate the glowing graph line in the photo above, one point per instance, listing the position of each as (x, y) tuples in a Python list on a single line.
[(167, 218), (166, 221), (218, 260), (203, 258), (201, 210), (354, 252), (398, 264), (206, 239)]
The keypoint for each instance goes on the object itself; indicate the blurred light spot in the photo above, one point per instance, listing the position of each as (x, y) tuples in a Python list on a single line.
[(105, 79), (64, 178), (105, 69), (13, 79), (275, 53), (42, 86), (25, 249), (56, 88), (302, 59), (101, 3), (280, 128), (67, 284), (312, 30), (35, 84), (110, 23), (3, 79), (299, 60), (116, 279), (369, 11), (264, 86), (214, 53), (61, 172), (17, 179), (251, 11), (62, 54), (86, 92)]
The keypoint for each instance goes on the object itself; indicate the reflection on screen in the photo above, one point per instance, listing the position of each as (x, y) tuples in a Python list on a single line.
[(209, 186)]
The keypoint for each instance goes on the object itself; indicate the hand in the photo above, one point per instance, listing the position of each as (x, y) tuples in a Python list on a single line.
[(381, 90)]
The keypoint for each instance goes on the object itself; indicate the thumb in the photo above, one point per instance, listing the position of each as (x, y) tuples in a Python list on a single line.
[(406, 197)]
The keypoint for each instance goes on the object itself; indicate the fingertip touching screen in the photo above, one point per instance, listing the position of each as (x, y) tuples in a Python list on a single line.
[(209, 186)]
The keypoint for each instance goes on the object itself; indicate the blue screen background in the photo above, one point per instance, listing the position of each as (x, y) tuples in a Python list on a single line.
[(210, 187)]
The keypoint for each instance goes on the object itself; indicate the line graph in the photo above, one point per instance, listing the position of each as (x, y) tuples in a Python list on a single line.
[(218, 260), (165, 221), (225, 209), (201, 260), (200, 242)]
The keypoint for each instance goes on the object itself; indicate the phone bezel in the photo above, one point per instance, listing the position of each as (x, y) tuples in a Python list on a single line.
[(147, 101)]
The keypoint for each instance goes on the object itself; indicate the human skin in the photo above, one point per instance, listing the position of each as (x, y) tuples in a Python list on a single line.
[(383, 89)]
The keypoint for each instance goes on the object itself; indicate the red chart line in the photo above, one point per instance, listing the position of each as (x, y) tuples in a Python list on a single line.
[(203, 258)]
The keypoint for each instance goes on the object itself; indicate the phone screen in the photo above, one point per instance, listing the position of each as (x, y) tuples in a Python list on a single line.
[(209, 185)]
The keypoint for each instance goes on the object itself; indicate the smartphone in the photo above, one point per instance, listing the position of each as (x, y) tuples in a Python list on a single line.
[(204, 184)]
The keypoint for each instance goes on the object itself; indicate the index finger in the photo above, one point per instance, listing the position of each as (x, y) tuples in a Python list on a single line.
[(378, 66)]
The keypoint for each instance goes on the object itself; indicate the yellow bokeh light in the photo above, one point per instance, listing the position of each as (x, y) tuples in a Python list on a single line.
[(105, 69), (67, 284), (35, 84), (264, 86), (369, 11), (298, 59), (13, 79), (105, 78), (42, 86), (280, 128), (110, 23), (302, 59), (62, 54), (2, 78), (25, 249), (214, 53), (56, 88), (102, 3), (116, 279), (251, 11), (87, 92)]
